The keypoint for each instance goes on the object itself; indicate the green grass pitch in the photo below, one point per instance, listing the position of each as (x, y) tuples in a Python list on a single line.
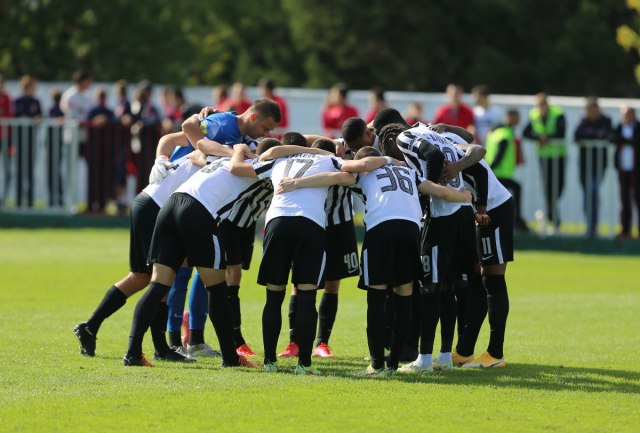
[(572, 345)]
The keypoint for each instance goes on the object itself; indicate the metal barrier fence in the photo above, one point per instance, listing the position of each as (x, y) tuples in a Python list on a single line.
[(57, 166)]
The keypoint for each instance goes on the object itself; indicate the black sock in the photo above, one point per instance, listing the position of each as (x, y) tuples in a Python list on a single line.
[(143, 316), (414, 329), (112, 301), (389, 312), (327, 311), (159, 328), (448, 313), (236, 317), (462, 294), (498, 308), (219, 314), (429, 315), (175, 339), (474, 316), (292, 319), (401, 325), (376, 325), (306, 322), (272, 323), (196, 336)]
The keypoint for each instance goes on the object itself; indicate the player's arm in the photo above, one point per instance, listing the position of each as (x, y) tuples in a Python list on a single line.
[(237, 165), (368, 164), (459, 131), (444, 192), (191, 128), (285, 151), (211, 147), (473, 154), (166, 145), (317, 180), (197, 158), (481, 179)]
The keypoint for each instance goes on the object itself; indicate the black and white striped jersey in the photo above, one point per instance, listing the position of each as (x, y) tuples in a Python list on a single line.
[(176, 176), (389, 193), (305, 202), (219, 191), (339, 205), (416, 143), (480, 180)]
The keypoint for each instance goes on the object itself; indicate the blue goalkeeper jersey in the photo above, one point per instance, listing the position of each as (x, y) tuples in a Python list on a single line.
[(220, 127)]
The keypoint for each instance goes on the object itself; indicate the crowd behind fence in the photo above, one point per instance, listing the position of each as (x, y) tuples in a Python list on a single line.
[(60, 165)]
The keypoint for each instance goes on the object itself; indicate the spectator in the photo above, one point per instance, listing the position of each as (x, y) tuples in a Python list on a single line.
[(26, 106), (547, 127), (167, 102), (376, 102), (591, 135), (75, 103), (122, 111), (238, 101), (6, 110), (145, 131), (267, 87), (455, 112), (502, 157), (54, 150), (626, 136), (142, 108), (487, 117), (413, 114), (336, 110), (99, 114), (219, 96)]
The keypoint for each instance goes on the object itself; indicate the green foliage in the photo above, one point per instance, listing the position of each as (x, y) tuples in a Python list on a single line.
[(570, 344), (569, 47)]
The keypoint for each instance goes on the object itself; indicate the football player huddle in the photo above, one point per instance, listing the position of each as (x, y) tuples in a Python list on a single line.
[(438, 235)]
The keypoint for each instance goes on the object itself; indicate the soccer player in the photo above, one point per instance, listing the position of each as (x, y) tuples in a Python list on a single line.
[(447, 251), (341, 262), (488, 290), (215, 135), (187, 227), (391, 251), (295, 241), (143, 217)]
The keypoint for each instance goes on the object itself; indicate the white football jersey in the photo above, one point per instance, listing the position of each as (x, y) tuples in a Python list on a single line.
[(305, 202), (176, 176), (390, 193), (409, 143), (217, 189)]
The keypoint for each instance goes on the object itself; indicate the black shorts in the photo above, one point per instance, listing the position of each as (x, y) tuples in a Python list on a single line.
[(144, 213), (446, 250), (292, 244), (186, 229), (342, 251), (238, 243), (495, 242), (390, 254)]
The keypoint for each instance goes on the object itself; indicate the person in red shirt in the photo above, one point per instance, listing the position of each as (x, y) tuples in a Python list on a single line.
[(5, 101), (267, 87), (6, 110), (238, 101), (336, 111), (376, 103), (455, 112), (219, 96)]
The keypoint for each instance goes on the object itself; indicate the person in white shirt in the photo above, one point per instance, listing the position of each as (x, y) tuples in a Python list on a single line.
[(75, 103), (391, 250), (486, 116)]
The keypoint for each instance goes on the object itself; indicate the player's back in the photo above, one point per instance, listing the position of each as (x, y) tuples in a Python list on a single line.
[(389, 193), (176, 176), (305, 202)]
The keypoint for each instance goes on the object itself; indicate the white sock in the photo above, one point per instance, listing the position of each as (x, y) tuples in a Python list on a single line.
[(444, 357), (424, 360)]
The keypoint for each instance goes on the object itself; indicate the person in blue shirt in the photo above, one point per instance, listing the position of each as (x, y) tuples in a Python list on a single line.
[(222, 131)]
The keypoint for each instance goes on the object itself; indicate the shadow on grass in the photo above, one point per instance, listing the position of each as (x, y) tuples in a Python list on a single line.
[(529, 376)]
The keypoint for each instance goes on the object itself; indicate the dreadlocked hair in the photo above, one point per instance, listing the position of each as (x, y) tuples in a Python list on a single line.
[(388, 136)]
